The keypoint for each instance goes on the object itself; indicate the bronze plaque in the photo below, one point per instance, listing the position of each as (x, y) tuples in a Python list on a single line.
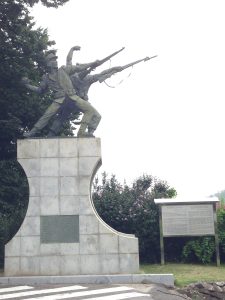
[(59, 229)]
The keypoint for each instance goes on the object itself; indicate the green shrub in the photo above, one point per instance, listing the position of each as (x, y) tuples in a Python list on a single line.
[(221, 231), (200, 249), (173, 248)]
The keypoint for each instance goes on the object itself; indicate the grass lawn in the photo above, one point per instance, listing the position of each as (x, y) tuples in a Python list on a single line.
[(187, 273)]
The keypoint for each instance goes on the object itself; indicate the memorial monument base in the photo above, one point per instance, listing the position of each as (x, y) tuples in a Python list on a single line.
[(62, 233)]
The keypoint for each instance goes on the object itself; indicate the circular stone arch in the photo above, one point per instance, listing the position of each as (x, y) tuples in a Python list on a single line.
[(14, 198)]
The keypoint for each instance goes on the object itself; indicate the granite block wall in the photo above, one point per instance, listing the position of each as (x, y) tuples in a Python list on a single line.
[(62, 234)]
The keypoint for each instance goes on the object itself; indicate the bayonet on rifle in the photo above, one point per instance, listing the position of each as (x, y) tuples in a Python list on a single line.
[(137, 62), (98, 63)]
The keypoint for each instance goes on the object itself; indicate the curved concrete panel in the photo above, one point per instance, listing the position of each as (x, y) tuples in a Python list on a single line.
[(62, 233)]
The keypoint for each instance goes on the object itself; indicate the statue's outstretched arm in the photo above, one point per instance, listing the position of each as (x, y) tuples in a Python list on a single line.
[(78, 67), (105, 74), (37, 89), (69, 57)]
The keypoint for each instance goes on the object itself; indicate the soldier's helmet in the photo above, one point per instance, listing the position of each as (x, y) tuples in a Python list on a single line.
[(50, 55)]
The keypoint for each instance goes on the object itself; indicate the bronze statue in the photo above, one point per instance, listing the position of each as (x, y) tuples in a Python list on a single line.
[(81, 82), (59, 82), (70, 85)]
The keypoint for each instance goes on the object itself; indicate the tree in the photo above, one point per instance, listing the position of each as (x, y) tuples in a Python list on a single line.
[(132, 209), (48, 3), (21, 54)]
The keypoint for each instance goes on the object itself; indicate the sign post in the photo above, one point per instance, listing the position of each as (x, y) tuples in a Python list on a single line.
[(179, 217), (161, 236)]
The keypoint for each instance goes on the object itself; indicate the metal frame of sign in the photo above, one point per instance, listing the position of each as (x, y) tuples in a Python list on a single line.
[(213, 203)]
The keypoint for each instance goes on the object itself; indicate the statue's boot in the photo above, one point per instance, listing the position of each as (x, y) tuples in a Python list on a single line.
[(89, 122), (91, 131), (51, 133), (43, 121), (34, 131), (82, 131), (85, 134), (56, 127)]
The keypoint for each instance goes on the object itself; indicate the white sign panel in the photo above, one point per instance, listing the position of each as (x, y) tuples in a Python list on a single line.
[(187, 220)]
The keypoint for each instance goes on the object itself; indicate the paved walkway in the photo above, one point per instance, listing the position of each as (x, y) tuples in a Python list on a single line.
[(55, 292)]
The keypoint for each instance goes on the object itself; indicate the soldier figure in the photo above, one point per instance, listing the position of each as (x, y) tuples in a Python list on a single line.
[(59, 82), (82, 81), (70, 85)]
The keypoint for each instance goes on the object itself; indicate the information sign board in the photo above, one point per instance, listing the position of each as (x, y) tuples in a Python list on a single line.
[(188, 220), (183, 217)]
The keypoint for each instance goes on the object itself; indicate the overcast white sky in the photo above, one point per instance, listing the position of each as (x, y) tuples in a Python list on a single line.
[(167, 118)]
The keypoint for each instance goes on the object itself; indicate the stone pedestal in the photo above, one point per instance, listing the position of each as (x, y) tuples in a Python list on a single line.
[(62, 234)]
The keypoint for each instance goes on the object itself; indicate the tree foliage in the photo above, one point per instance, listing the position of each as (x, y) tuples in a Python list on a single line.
[(200, 249), (221, 231), (21, 54), (131, 209), (47, 3)]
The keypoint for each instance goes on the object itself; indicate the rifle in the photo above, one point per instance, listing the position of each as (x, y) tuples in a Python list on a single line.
[(137, 62), (108, 73), (98, 63)]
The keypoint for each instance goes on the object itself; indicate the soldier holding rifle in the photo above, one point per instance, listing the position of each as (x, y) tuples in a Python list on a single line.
[(59, 82), (82, 81), (70, 85)]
